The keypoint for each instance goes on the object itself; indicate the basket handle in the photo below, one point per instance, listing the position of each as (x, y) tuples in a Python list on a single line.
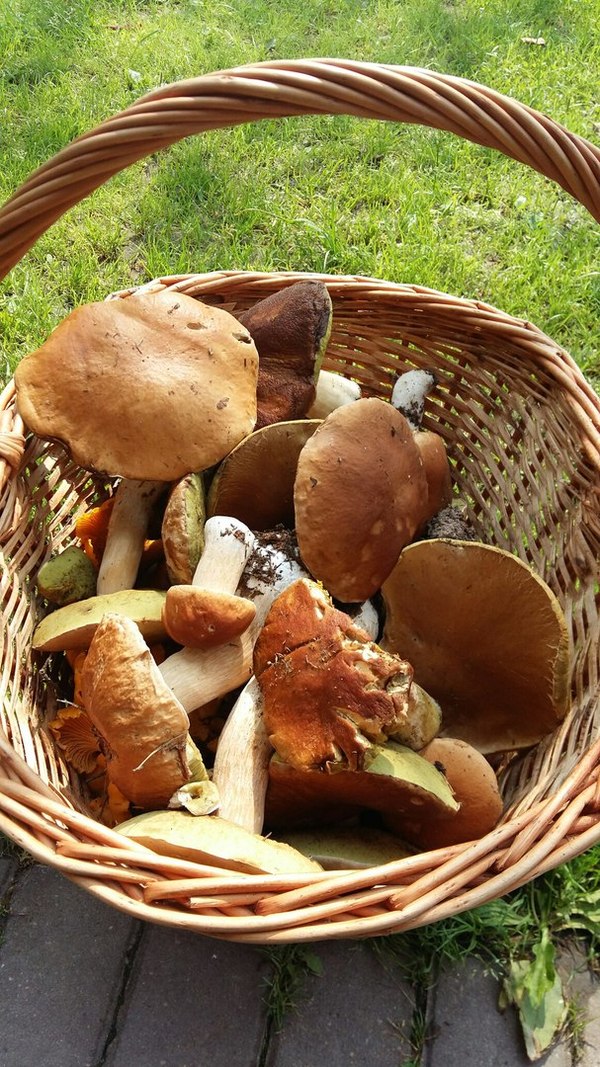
[(296, 87)]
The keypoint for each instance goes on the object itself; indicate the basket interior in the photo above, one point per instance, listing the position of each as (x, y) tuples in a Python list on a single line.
[(520, 463)]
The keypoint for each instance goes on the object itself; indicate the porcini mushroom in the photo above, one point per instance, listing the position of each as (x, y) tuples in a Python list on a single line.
[(393, 779), (182, 529), (126, 534), (241, 768), (208, 612), (475, 789), (358, 497), (74, 625), (149, 387), (486, 637), (330, 693), (142, 726), (291, 330), (255, 482)]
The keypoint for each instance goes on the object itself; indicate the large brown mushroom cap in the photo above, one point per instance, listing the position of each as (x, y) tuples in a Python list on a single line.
[(358, 497), (329, 692), (150, 387), (487, 639), (144, 728)]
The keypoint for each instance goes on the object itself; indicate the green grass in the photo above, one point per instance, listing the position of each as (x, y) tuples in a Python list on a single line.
[(334, 194), (339, 195)]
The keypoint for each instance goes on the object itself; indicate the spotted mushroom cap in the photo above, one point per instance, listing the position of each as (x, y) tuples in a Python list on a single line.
[(148, 387)]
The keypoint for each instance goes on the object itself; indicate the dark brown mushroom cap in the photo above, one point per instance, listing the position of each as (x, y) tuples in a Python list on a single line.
[(290, 329), (358, 497), (487, 639), (255, 482), (149, 387)]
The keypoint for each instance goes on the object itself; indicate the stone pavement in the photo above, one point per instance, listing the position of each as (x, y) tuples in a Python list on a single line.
[(82, 985)]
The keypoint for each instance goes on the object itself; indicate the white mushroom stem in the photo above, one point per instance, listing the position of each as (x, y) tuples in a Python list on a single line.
[(241, 769), (228, 545), (199, 675), (409, 393), (127, 529), (368, 619), (332, 391)]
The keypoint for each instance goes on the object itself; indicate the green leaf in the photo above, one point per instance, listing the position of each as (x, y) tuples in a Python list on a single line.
[(535, 988)]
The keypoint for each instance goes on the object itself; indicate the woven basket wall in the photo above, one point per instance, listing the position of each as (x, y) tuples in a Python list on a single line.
[(522, 427)]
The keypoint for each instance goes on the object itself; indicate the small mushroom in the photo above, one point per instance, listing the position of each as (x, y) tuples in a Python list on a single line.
[(67, 577), (291, 330), (487, 639), (408, 397), (182, 528), (358, 497), (330, 693), (198, 675), (208, 612)]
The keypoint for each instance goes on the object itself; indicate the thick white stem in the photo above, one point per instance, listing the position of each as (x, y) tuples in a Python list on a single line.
[(332, 391), (198, 675), (241, 770), (228, 545), (127, 528), (409, 393)]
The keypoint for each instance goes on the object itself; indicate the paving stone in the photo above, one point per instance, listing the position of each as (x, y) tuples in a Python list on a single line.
[(583, 987), (355, 1012), (191, 1000), (61, 961), (467, 1029)]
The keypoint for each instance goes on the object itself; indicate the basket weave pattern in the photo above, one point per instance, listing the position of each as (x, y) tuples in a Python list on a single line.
[(522, 428)]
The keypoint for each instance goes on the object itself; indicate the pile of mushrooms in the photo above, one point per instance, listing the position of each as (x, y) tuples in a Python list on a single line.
[(267, 564)]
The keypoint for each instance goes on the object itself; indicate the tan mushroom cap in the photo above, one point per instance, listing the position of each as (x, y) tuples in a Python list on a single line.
[(204, 618), (358, 497), (475, 788), (148, 387), (486, 637), (143, 726), (255, 482)]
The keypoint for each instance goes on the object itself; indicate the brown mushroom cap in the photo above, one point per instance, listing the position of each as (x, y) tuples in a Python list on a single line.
[(487, 639), (255, 482), (204, 618), (149, 387), (395, 780), (290, 329), (358, 497), (475, 787), (328, 691), (143, 726)]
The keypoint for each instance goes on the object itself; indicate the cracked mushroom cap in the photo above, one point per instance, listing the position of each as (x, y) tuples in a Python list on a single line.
[(487, 639), (148, 387), (329, 693), (358, 497)]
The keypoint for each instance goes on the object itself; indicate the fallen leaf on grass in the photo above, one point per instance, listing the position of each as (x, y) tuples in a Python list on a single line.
[(535, 988)]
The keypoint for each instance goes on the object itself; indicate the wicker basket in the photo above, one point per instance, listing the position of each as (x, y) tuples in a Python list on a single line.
[(522, 427)]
